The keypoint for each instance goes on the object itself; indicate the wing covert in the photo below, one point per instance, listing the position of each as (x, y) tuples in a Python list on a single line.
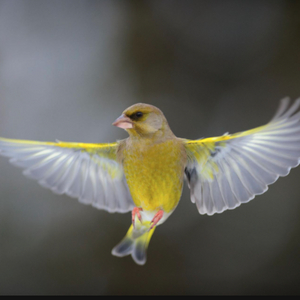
[(224, 172), (89, 172)]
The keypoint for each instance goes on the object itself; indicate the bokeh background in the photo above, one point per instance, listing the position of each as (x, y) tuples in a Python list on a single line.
[(68, 68)]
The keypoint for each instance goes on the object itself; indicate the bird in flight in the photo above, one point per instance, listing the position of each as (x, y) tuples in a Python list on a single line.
[(145, 173)]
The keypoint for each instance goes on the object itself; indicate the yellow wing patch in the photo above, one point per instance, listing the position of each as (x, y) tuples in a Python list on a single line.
[(204, 150), (89, 172), (225, 171)]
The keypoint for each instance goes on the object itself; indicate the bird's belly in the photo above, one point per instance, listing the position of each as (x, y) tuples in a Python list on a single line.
[(154, 178)]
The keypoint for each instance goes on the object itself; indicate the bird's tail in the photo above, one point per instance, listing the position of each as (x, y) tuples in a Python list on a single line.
[(135, 242)]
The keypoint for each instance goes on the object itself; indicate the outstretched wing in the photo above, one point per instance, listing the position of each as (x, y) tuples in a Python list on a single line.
[(225, 171), (89, 172)]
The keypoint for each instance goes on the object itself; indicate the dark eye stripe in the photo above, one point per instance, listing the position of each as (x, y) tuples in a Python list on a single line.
[(136, 116)]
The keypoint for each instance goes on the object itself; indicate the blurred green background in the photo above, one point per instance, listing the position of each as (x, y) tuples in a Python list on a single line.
[(68, 68)]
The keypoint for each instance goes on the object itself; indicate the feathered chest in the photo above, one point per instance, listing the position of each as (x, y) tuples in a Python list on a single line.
[(154, 173)]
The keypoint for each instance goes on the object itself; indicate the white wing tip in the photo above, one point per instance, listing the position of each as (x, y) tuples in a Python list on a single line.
[(285, 110)]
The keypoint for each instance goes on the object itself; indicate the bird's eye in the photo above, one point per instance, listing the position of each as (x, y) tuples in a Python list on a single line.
[(139, 114), (136, 116)]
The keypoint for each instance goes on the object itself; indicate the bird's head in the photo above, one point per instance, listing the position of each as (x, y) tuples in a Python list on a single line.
[(143, 120)]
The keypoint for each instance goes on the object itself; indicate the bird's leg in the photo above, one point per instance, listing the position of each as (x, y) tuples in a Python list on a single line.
[(157, 217), (136, 212)]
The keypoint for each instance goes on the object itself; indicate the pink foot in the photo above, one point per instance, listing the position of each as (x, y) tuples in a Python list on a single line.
[(156, 218), (136, 212)]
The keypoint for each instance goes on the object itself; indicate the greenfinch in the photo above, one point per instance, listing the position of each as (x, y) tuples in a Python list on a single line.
[(145, 173)]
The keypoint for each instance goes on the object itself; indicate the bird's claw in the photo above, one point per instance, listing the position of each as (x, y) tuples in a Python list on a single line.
[(157, 217), (136, 212)]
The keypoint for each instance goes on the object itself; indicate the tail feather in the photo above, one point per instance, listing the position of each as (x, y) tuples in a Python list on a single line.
[(135, 242)]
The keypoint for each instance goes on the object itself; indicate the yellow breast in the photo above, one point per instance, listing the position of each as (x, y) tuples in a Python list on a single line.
[(154, 174)]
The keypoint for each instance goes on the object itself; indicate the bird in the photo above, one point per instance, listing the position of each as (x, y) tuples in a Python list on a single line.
[(145, 172)]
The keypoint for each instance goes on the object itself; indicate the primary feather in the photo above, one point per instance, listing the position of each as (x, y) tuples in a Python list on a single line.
[(89, 172), (225, 171)]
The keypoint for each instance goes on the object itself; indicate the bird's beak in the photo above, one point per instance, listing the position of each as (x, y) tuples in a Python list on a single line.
[(123, 122)]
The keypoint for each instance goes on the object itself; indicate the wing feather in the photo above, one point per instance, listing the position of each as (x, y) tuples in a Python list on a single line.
[(224, 172), (89, 172)]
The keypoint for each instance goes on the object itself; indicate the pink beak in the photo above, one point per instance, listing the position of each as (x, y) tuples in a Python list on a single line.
[(123, 122)]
